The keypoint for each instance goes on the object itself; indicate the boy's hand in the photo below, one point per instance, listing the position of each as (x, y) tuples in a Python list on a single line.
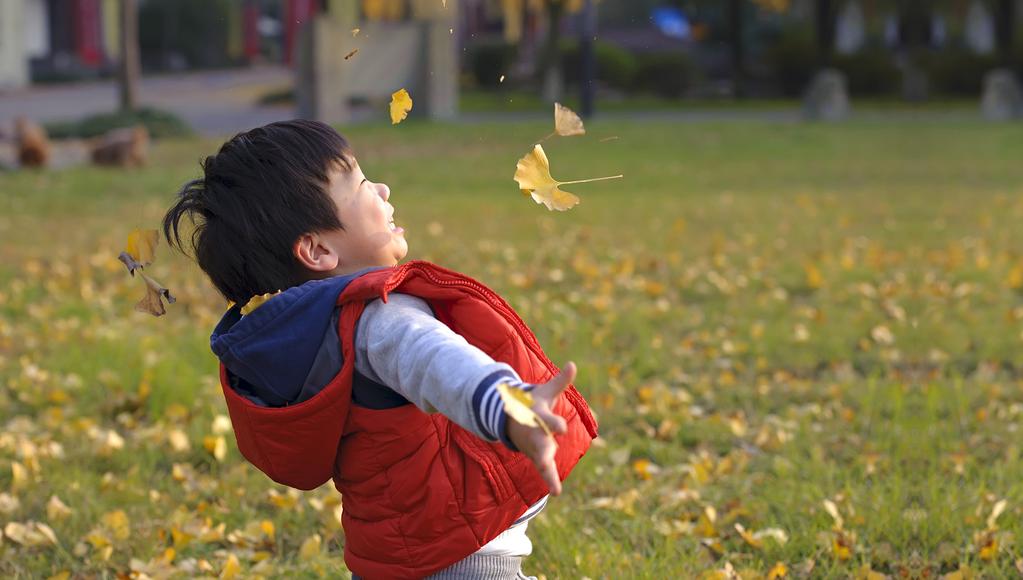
[(533, 441)]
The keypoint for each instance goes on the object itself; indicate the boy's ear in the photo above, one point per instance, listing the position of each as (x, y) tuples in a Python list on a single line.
[(315, 253)]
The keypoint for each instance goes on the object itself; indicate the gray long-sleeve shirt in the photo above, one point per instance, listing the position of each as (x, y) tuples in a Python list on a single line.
[(401, 345)]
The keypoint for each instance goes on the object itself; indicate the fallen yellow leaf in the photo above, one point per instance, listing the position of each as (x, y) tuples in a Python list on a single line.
[(118, 524), (232, 567), (310, 547), (779, 570), (56, 510)]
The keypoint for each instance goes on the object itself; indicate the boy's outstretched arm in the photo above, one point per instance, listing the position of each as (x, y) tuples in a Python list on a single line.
[(534, 441)]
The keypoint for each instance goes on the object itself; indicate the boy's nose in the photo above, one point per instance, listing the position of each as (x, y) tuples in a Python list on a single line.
[(384, 191)]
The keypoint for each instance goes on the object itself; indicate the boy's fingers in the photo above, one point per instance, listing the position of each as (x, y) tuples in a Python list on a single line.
[(558, 384), (547, 468), (556, 422)]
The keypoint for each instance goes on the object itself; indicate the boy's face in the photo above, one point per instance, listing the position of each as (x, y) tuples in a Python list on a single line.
[(369, 237)]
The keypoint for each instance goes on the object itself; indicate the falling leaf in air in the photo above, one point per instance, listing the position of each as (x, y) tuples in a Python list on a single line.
[(519, 406), (152, 302), (351, 54), (566, 122), (140, 251), (401, 104), (355, 32), (533, 174), (501, 80)]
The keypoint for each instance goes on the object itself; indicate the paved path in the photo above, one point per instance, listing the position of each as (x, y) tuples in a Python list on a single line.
[(212, 102), (219, 103)]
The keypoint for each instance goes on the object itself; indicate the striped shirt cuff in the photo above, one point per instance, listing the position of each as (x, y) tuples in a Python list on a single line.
[(488, 407)]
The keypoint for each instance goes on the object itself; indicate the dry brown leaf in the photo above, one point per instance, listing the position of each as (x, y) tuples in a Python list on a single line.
[(152, 302)]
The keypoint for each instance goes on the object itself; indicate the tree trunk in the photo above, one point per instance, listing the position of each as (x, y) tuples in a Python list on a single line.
[(552, 79), (735, 30), (128, 75), (588, 76), (825, 25), (1005, 23)]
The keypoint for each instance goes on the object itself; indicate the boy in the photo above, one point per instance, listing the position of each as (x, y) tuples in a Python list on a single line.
[(380, 377)]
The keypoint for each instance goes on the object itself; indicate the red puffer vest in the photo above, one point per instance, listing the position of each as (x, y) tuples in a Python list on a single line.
[(419, 492)]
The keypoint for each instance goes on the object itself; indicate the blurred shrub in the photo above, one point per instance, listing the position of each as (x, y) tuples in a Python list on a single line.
[(668, 74), (616, 67), (490, 59), (159, 123), (793, 58), (869, 72), (195, 30), (958, 71)]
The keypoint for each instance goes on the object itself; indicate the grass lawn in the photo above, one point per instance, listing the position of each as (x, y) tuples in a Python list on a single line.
[(802, 343)]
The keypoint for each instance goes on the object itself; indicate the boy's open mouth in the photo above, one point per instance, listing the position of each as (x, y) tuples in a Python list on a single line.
[(394, 227)]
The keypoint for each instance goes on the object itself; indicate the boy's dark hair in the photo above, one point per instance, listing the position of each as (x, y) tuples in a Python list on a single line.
[(257, 195)]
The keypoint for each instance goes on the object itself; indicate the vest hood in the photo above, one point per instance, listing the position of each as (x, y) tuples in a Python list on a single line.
[(276, 349)]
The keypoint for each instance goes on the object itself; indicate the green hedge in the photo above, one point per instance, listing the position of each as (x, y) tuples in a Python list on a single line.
[(489, 60), (793, 59), (159, 123), (870, 72), (958, 72), (668, 74), (616, 67)]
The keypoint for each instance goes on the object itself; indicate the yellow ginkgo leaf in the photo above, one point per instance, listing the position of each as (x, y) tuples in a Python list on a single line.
[(117, 523), (216, 446), (30, 534), (533, 174), (310, 547), (566, 122), (19, 476), (779, 570), (401, 104), (140, 250), (257, 301), (232, 567), (748, 537), (519, 406), (56, 509)]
